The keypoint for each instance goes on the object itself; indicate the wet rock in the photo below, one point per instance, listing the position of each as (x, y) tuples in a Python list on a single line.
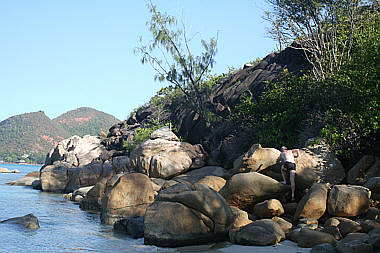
[(5, 170), (132, 226), (29, 221), (26, 180)]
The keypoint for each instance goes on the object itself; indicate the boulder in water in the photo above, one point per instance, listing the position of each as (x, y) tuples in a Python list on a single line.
[(29, 221)]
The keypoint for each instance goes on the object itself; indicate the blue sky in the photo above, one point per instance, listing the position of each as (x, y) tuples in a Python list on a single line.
[(58, 55)]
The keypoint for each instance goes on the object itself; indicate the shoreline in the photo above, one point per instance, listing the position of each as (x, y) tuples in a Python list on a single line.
[(35, 164)]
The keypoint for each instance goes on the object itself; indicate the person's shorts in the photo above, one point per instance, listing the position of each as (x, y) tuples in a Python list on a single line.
[(290, 166)]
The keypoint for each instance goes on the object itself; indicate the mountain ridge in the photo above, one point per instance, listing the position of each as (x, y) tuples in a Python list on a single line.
[(29, 136)]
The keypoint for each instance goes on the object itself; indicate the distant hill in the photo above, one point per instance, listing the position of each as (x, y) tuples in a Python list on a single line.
[(30, 136), (85, 120)]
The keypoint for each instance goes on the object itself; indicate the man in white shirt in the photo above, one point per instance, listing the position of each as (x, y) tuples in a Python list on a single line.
[(289, 164)]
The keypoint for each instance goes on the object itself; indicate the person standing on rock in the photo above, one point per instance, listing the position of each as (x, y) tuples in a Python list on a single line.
[(289, 164)]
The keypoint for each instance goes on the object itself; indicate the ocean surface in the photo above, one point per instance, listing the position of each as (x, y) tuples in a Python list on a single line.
[(64, 226)]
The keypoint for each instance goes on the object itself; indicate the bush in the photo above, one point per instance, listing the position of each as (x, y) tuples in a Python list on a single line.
[(141, 135)]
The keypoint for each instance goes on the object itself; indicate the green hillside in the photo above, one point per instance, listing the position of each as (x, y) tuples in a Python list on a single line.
[(85, 120), (30, 136)]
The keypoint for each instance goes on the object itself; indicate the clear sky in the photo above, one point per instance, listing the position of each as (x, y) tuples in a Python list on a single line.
[(58, 55)]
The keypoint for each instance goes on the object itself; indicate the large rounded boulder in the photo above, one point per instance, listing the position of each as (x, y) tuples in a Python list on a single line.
[(259, 233), (348, 200), (313, 204), (257, 159), (129, 196), (186, 214), (166, 158), (244, 190), (93, 199), (28, 221), (317, 163)]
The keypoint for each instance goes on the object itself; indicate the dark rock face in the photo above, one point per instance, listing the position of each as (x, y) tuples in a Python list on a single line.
[(254, 79), (354, 242), (29, 221), (123, 131), (132, 226), (308, 238), (261, 233)]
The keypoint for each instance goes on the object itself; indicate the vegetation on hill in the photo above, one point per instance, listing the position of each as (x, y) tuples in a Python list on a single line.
[(30, 136), (85, 120)]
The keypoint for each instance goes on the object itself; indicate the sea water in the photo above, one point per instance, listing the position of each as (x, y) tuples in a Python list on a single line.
[(64, 226)]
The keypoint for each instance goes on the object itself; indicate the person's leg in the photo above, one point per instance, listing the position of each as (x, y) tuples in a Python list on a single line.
[(283, 174), (292, 182)]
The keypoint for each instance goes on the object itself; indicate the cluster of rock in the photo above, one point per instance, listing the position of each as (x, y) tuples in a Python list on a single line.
[(166, 192), (5, 170), (30, 179), (79, 162)]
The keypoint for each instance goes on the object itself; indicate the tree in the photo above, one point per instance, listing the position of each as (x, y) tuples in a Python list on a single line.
[(323, 29), (170, 55)]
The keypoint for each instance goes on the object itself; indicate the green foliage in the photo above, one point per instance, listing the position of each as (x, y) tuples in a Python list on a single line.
[(84, 120), (324, 30), (354, 123), (345, 107), (142, 134), (176, 63)]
